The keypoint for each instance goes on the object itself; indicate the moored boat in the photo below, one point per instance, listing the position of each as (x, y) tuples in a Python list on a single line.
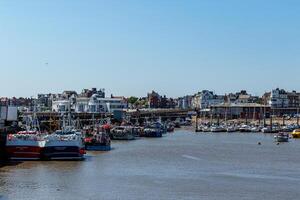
[(25, 145), (245, 129), (282, 137), (231, 129), (255, 129), (296, 133), (64, 144), (170, 128), (97, 139), (217, 129), (122, 133), (206, 129), (153, 130), (270, 129)]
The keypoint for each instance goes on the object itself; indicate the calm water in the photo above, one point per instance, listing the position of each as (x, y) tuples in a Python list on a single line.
[(183, 165)]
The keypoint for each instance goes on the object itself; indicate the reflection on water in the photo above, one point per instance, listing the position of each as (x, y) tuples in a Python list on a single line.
[(183, 165)]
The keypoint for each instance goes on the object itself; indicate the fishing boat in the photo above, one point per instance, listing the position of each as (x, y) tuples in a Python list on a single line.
[(25, 145), (97, 139), (282, 137), (64, 144), (296, 133), (153, 130), (122, 133)]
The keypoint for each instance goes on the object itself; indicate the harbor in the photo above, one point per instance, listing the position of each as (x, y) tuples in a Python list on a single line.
[(182, 165), (149, 100)]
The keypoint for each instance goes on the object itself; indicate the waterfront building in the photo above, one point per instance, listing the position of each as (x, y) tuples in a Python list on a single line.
[(279, 99), (90, 92), (97, 104), (293, 99), (241, 97), (68, 94), (196, 101), (240, 110), (185, 102), (157, 101), (63, 105), (205, 99), (266, 98), (8, 113), (154, 99)]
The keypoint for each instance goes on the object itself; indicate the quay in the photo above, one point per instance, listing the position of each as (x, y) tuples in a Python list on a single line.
[(49, 120), (159, 113)]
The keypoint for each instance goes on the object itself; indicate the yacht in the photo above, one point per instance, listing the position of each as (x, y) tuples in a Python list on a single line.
[(231, 129), (245, 128), (255, 129), (217, 129), (270, 129)]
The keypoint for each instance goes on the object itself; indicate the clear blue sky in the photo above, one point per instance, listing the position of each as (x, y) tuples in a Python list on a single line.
[(130, 47)]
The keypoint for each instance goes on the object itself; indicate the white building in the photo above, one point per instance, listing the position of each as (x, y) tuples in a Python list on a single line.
[(196, 101), (96, 104), (61, 105), (208, 98), (279, 98)]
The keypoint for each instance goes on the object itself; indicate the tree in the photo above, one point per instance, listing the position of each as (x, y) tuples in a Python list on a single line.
[(132, 100)]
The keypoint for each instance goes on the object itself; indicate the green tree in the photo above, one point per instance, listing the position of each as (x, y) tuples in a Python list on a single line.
[(132, 100)]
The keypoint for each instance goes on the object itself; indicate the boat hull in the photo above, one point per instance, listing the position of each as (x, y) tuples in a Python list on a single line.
[(280, 139), (98, 147), (123, 137), (63, 152), (24, 152), (296, 135), (153, 134)]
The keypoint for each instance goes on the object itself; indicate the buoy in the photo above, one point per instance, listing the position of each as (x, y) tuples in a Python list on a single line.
[(278, 143), (259, 143)]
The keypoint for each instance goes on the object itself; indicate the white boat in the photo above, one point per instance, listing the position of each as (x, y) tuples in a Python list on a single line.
[(217, 129), (206, 129), (270, 130), (64, 144), (282, 137), (245, 128), (231, 129), (255, 129)]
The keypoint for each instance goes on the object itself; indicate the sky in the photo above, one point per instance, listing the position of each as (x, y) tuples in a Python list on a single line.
[(130, 47)]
